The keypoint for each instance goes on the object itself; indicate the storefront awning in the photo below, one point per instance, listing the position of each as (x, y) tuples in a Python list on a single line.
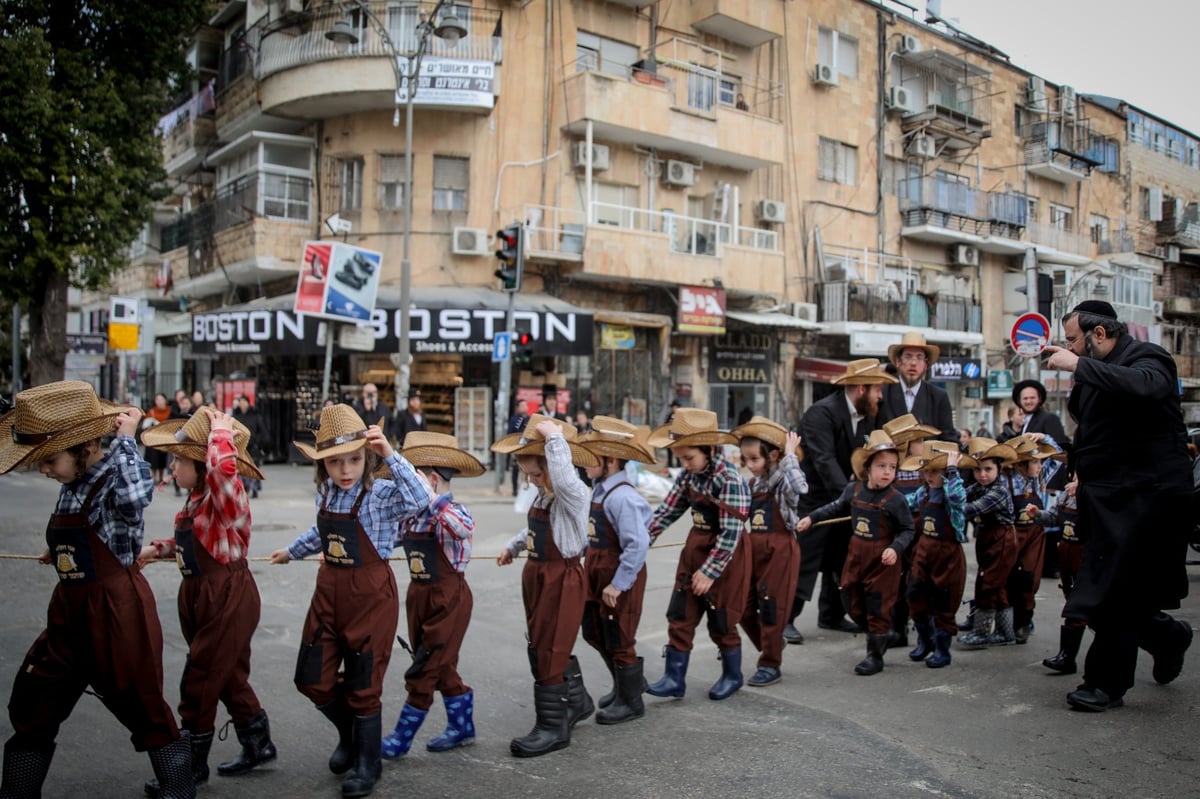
[(632, 318), (821, 370), (772, 319)]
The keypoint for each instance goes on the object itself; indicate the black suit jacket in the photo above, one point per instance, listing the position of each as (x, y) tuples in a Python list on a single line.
[(931, 406), (380, 411), (406, 423), (828, 438)]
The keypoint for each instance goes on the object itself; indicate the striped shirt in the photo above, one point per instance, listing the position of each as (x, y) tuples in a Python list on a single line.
[(385, 505), (722, 482), (453, 525), (116, 512)]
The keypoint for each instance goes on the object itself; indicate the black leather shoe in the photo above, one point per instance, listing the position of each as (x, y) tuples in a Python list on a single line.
[(791, 635), (842, 625), (1168, 664), (1092, 700)]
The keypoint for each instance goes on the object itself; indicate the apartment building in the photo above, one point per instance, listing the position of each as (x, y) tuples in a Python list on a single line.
[(724, 201)]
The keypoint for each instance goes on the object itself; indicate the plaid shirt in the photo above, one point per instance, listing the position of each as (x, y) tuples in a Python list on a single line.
[(385, 505), (992, 501), (722, 482), (220, 510), (116, 512), (954, 494), (452, 523)]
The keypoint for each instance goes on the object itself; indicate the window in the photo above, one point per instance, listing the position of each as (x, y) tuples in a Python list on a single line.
[(391, 182), (837, 162), (594, 52), (728, 89), (1061, 217), (351, 170), (614, 204), (1031, 208), (702, 87), (898, 173), (839, 50), (1099, 227), (268, 178), (1131, 287), (1143, 202), (450, 178)]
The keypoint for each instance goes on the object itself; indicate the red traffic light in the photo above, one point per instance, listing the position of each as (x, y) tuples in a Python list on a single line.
[(523, 338)]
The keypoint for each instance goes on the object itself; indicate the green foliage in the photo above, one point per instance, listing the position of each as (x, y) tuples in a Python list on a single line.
[(80, 162)]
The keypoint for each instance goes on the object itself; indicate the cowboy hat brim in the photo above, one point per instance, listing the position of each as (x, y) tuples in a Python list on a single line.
[(246, 466), (605, 448), (773, 434), (917, 433), (434, 457), (1003, 453), (517, 444), (13, 454), (872, 378), (860, 457), (663, 439), (313, 454), (932, 351), (936, 463)]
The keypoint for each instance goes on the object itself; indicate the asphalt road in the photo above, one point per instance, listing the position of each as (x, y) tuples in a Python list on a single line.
[(993, 724)]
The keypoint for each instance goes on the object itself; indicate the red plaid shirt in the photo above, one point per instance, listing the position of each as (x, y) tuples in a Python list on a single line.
[(220, 508)]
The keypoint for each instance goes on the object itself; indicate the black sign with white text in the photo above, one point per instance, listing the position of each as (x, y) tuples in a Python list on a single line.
[(955, 369)]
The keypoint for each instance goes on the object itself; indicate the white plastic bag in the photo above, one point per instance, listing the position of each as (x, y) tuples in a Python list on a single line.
[(523, 501)]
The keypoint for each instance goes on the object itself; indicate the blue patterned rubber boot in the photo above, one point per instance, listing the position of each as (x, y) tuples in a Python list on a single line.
[(460, 723), (400, 740)]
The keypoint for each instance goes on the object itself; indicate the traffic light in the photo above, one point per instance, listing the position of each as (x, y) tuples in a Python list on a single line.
[(522, 348), (511, 253)]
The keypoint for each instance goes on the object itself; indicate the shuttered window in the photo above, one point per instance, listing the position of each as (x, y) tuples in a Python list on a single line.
[(391, 182), (450, 183), (837, 162)]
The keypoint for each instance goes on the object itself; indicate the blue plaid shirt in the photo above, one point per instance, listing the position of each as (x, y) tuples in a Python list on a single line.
[(381, 510), (953, 494), (116, 512)]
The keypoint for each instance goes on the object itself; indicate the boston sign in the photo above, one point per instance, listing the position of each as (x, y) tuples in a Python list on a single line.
[(431, 330)]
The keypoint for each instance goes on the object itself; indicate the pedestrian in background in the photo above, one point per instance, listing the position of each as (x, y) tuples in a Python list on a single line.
[(250, 418)]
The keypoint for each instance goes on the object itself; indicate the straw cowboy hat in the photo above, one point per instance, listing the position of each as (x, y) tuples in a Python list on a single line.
[(934, 459), (530, 441), (764, 429), (864, 372), (906, 428), (982, 449), (615, 438), (426, 450), (51, 418), (913, 341), (341, 432), (1029, 450), (878, 441), (188, 438), (691, 427)]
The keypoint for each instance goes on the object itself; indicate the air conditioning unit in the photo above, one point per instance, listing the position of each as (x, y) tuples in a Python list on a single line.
[(769, 211), (1035, 93), (964, 255), (599, 156), (910, 44), (825, 75), (469, 241), (1158, 309), (923, 146), (900, 99), (679, 173), (1066, 98), (805, 310)]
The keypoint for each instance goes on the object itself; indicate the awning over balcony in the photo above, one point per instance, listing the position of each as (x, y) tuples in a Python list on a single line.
[(772, 319)]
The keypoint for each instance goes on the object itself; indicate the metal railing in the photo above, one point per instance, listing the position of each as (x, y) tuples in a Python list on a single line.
[(948, 203), (236, 204), (1061, 240), (887, 303)]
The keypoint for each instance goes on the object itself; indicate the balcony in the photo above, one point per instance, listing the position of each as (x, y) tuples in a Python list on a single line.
[(746, 22), (950, 98), (188, 130), (678, 108), (635, 245), (851, 307), (1061, 152), (1058, 246), (303, 75), (1180, 224), (1181, 306), (947, 212)]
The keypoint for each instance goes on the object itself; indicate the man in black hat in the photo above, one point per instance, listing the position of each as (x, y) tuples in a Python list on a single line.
[(550, 403), (1134, 488), (1030, 397), (411, 418)]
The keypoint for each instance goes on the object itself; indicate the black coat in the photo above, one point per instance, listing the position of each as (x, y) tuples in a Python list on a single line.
[(1130, 455), (828, 438), (931, 406), (406, 422), (380, 411)]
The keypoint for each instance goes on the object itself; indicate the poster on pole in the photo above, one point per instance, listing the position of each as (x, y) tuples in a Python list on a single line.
[(338, 281)]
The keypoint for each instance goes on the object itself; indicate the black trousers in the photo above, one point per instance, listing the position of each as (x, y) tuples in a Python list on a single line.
[(1112, 658)]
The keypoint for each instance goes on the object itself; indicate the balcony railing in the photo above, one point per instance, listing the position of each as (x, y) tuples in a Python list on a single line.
[(698, 79), (886, 303), (950, 204), (1061, 240), (283, 197)]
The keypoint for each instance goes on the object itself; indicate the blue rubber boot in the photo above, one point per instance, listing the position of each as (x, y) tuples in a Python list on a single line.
[(731, 675), (460, 723), (941, 650), (673, 682), (400, 740), (924, 640)]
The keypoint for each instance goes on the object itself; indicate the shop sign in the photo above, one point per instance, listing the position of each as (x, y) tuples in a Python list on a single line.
[(955, 369), (741, 357), (617, 337), (337, 281), (449, 83), (701, 310), (456, 331), (999, 383)]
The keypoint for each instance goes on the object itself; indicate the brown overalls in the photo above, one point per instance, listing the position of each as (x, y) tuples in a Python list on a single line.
[(1026, 575), (611, 631), (438, 605), (352, 618), (869, 587), (219, 608), (726, 601), (995, 555), (939, 568), (554, 589), (102, 630), (774, 568), (1070, 549)]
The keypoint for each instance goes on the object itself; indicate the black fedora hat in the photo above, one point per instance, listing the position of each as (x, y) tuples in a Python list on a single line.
[(1024, 384)]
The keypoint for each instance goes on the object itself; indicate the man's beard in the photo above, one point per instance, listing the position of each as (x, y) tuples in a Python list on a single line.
[(867, 405), (907, 384)]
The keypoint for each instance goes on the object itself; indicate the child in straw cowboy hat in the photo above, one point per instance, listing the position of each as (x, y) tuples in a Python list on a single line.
[(1027, 480), (939, 568), (772, 455), (990, 508), (714, 569), (553, 583), (882, 528), (615, 563), (102, 626), (437, 542), (219, 604), (355, 607), (1070, 555)]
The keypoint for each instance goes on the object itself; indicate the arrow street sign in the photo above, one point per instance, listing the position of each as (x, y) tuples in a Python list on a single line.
[(338, 225)]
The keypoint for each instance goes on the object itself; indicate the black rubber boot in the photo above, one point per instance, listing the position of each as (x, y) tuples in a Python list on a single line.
[(941, 654), (968, 624), (873, 662), (607, 699), (924, 640), (367, 762), (550, 731), (172, 766), (731, 675), (579, 703), (1069, 641), (257, 747), (628, 704), (201, 743), (339, 713), (24, 771), (673, 682)]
